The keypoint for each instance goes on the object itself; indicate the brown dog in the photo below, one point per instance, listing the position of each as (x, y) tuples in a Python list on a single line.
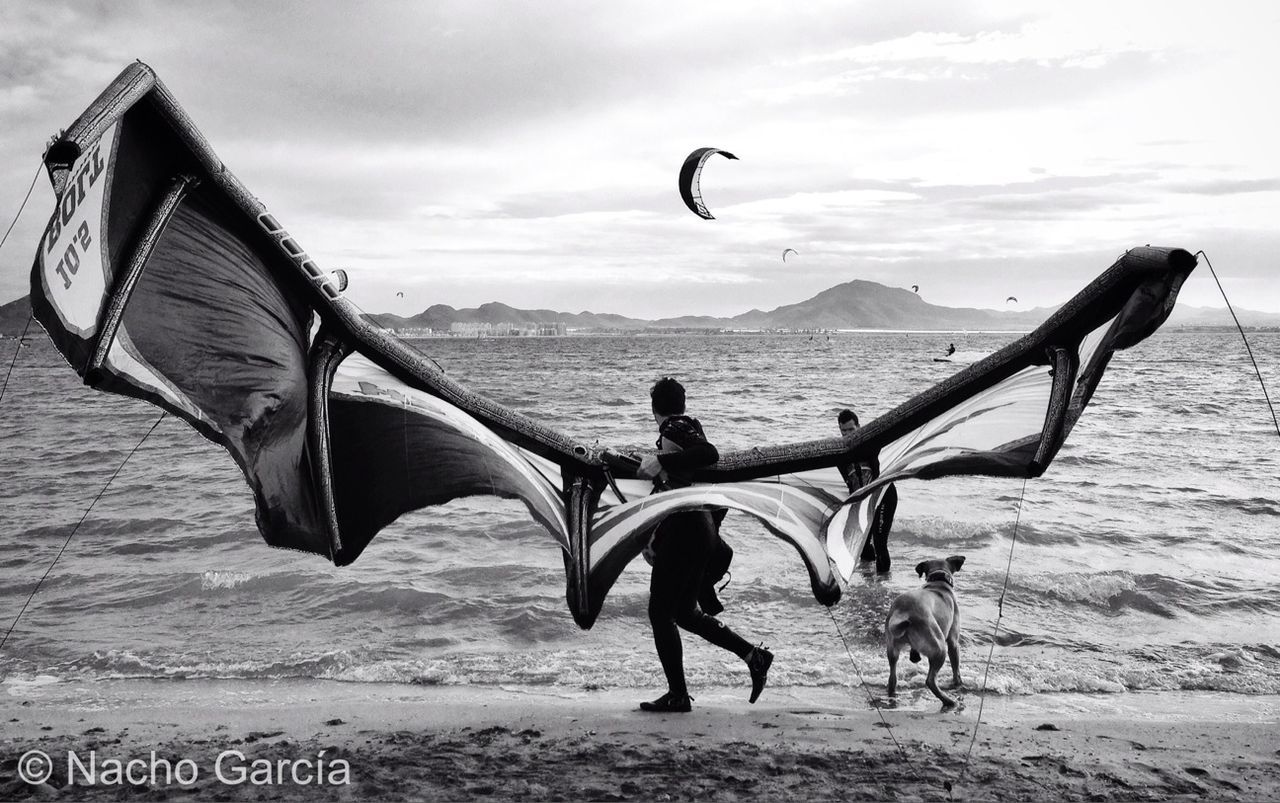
[(928, 621)]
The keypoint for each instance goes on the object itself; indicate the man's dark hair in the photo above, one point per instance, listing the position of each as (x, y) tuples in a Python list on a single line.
[(847, 415), (667, 396)]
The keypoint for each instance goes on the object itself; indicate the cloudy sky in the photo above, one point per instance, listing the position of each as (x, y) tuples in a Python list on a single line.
[(463, 152)]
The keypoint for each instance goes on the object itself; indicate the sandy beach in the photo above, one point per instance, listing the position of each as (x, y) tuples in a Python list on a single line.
[(328, 740)]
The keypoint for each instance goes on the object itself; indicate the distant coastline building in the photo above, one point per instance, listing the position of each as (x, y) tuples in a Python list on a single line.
[(470, 329), (506, 329)]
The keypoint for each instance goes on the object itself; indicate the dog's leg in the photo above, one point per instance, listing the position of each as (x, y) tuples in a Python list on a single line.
[(953, 654), (931, 680), (891, 651)]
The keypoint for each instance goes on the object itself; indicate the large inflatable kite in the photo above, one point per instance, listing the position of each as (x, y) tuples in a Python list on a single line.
[(161, 277), (690, 181)]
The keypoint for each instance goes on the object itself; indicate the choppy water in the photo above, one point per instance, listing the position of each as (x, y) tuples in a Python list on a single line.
[(1147, 557)]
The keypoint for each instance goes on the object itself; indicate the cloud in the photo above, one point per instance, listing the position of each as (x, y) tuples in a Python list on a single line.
[(1043, 205), (1227, 186), (1038, 42), (937, 88), (532, 149)]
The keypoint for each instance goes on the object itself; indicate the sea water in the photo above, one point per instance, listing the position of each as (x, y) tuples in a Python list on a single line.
[(1146, 558)]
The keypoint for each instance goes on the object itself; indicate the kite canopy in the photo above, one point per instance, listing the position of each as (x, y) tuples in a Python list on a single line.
[(690, 175), (788, 251), (161, 277), (1011, 298), (915, 288)]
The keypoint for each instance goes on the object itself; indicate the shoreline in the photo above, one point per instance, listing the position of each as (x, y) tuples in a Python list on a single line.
[(509, 743)]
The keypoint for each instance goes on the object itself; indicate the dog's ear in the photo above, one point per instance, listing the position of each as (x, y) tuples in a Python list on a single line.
[(922, 567), (955, 562)]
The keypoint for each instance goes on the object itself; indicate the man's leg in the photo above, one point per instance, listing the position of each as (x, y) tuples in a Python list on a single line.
[(663, 590), (693, 543), (696, 536), (714, 631), (869, 548), (881, 525)]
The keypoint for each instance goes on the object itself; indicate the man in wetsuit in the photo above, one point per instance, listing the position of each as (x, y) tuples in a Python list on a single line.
[(682, 546), (857, 475)]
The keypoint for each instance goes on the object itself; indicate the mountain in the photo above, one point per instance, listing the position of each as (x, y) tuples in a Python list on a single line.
[(441, 316), (869, 305), (857, 304), (1220, 316), (13, 317), (853, 305)]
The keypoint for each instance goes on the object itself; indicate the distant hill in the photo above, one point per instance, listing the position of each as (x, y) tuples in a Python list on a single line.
[(857, 304), (869, 305), (13, 316), (853, 305), (1219, 316), (442, 316)]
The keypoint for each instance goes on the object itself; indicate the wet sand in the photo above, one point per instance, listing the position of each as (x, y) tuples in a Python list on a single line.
[(464, 743)]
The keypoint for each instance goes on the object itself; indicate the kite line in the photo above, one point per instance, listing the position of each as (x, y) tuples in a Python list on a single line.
[(21, 338), (75, 529), (25, 198), (1004, 589), (1245, 339), (16, 349), (858, 671)]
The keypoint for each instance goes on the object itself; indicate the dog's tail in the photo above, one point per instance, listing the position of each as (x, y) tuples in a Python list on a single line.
[(896, 629), (899, 628)]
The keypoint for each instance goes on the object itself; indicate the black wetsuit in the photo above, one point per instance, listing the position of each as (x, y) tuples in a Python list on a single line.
[(857, 475), (682, 547)]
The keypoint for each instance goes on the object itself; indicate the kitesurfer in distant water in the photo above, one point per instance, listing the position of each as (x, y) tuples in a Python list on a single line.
[(682, 546), (857, 475), (951, 349)]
